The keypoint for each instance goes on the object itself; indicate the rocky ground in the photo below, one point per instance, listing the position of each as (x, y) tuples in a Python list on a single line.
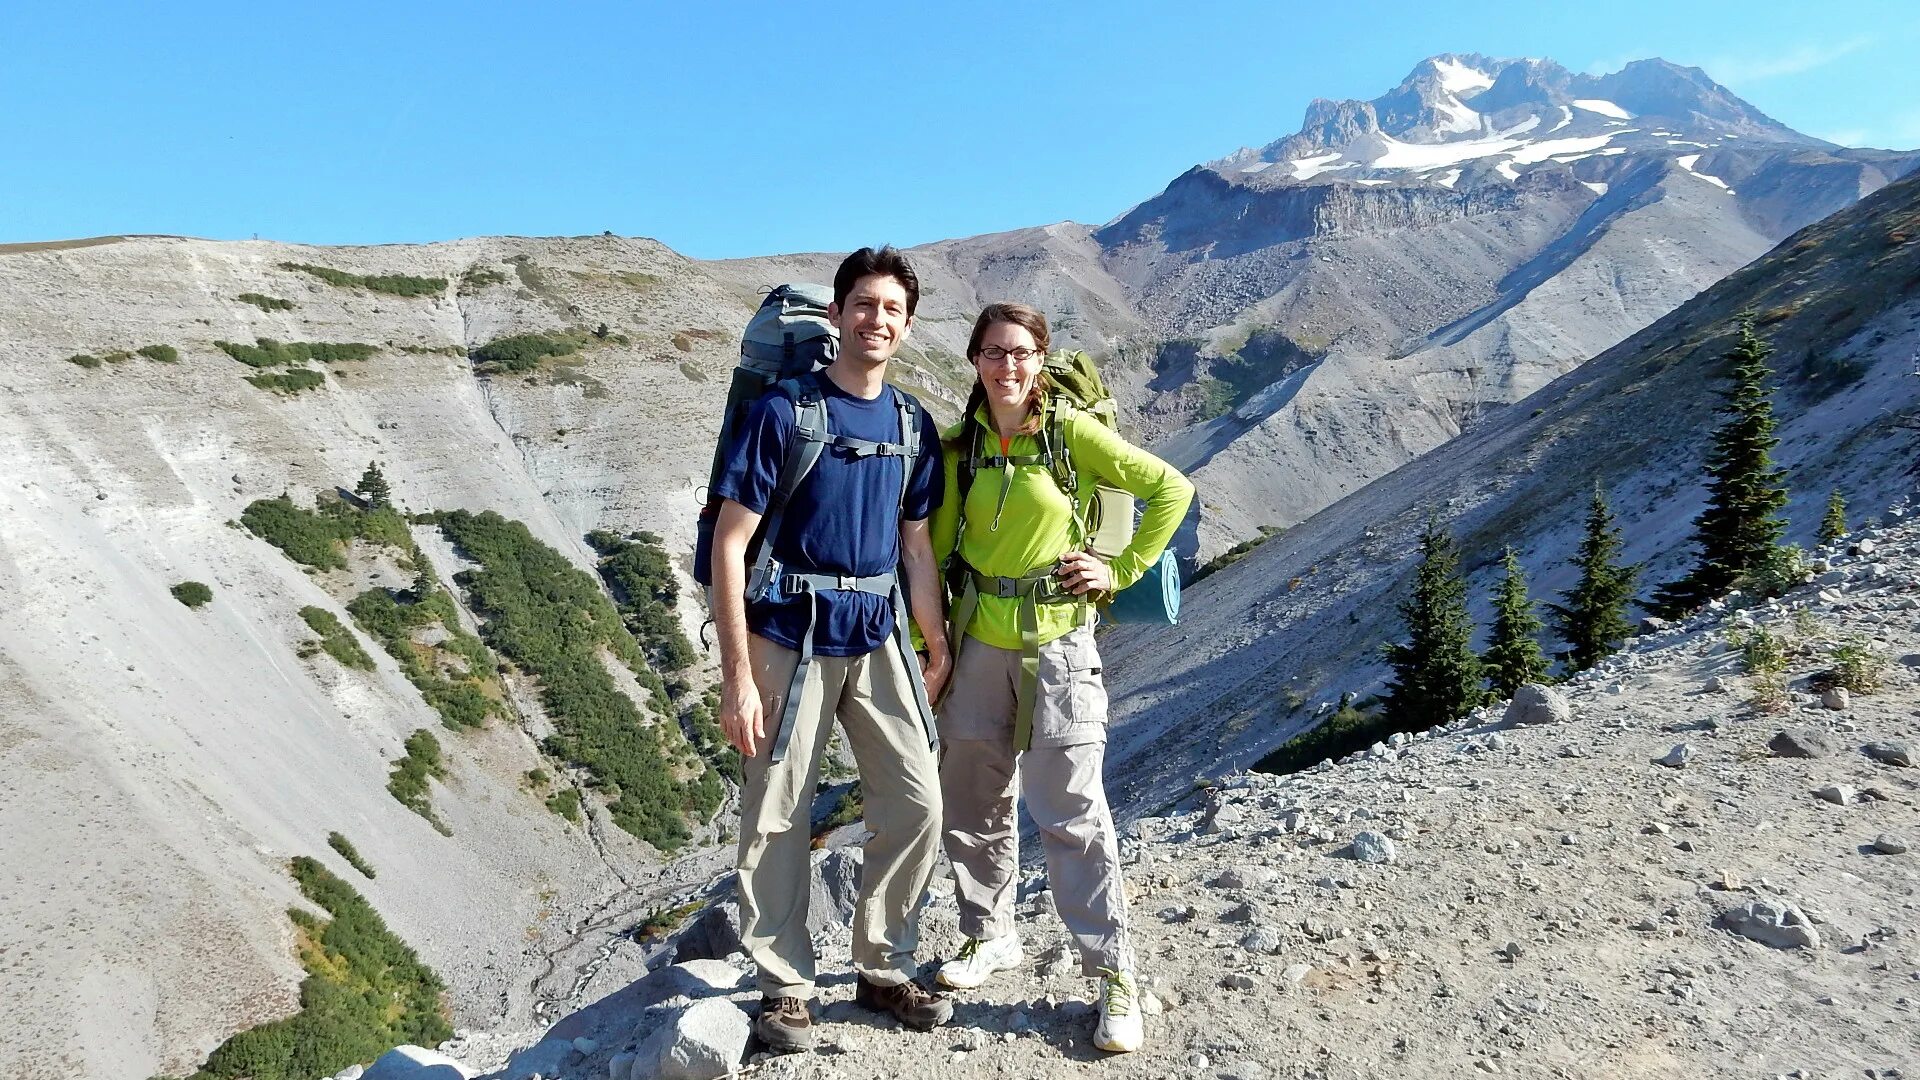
[(1640, 874)]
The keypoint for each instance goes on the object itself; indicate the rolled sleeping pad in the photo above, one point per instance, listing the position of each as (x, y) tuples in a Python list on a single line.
[(1154, 599)]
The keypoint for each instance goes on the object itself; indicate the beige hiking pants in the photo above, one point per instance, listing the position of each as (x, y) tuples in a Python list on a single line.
[(873, 700), (1060, 778)]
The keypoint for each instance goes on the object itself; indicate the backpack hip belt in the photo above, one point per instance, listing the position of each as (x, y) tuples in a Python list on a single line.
[(1032, 590)]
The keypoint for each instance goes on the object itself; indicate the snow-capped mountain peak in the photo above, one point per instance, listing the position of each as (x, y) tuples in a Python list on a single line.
[(1464, 120)]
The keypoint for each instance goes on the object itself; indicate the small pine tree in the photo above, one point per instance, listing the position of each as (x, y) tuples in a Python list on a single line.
[(1513, 656), (1834, 525), (373, 487), (1593, 618), (1436, 676), (1745, 492)]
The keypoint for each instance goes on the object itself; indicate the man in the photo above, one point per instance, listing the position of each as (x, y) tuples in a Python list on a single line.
[(825, 645)]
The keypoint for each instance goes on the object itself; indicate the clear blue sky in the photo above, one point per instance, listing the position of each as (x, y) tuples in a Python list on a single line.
[(758, 128)]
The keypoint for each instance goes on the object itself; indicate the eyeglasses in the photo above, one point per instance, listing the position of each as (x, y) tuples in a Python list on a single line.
[(1020, 355)]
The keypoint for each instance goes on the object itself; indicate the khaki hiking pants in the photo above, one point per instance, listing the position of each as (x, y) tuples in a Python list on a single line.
[(981, 776), (874, 702)]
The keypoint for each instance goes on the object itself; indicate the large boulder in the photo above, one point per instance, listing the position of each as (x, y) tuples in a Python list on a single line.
[(704, 1040), (1779, 926), (713, 936), (834, 889), (1536, 704)]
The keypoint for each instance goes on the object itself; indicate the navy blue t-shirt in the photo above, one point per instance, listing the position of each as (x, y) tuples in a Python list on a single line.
[(844, 519)]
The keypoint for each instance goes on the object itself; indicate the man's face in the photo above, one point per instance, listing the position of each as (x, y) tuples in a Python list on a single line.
[(874, 321)]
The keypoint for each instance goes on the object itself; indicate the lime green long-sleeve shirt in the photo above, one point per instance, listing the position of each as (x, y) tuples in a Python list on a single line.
[(1036, 526)]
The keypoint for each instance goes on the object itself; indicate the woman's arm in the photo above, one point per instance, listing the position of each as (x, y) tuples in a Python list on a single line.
[(1100, 450)]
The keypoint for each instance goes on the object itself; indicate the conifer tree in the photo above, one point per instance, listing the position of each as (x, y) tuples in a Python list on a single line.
[(1513, 657), (1745, 494), (373, 487), (1436, 676), (1834, 525), (1593, 618)]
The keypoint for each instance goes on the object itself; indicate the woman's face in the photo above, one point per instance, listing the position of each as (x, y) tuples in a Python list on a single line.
[(1006, 375)]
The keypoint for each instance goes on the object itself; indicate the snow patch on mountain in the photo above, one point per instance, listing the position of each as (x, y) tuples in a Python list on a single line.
[(1457, 78), (1603, 107)]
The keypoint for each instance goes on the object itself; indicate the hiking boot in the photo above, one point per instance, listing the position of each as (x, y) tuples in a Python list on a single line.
[(910, 1003), (784, 1024), (1120, 1029), (978, 960)]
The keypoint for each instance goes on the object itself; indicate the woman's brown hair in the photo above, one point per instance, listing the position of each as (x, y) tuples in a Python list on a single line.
[(1034, 323)]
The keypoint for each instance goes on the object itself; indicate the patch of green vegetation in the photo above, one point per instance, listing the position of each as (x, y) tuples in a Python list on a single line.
[(566, 803), (551, 618), (319, 537), (335, 639), (85, 360), (365, 992), (538, 778), (165, 354), (460, 697), (432, 350), (192, 593), (1213, 397), (345, 849), (479, 277), (1857, 665), (663, 921), (408, 782), (521, 352), (1351, 728), (1235, 553), (851, 808), (291, 382), (704, 734), (391, 284), (118, 356), (640, 576), (265, 302), (267, 353)]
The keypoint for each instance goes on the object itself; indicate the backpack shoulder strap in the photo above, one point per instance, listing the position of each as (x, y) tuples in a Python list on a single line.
[(810, 437), (909, 437)]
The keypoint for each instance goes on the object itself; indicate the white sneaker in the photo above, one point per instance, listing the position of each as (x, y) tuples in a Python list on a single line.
[(978, 960), (1120, 1029)]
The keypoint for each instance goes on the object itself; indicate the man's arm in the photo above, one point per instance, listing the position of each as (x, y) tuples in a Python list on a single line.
[(741, 715), (923, 589)]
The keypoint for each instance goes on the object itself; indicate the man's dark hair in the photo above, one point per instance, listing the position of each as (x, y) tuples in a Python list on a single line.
[(884, 261)]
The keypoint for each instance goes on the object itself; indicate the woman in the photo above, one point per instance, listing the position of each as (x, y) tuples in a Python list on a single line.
[(1020, 541)]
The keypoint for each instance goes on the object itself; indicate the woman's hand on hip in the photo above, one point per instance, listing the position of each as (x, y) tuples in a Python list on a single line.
[(1081, 572)]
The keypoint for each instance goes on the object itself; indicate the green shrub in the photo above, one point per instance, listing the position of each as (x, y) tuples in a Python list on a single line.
[(1235, 553), (521, 352), (191, 593), (365, 992), (1857, 665), (391, 284), (264, 302), (1762, 652), (267, 353), (550, 618), (1350, 729), (344, 847), (118, 356), (462, 700), (336, 639), (538, 778), (640, 576), (308, 538), (85, 360), (566, 803), (165, 354), (479, 277), (292, 382), (851, 807), (1781, 569), (408, 782)]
